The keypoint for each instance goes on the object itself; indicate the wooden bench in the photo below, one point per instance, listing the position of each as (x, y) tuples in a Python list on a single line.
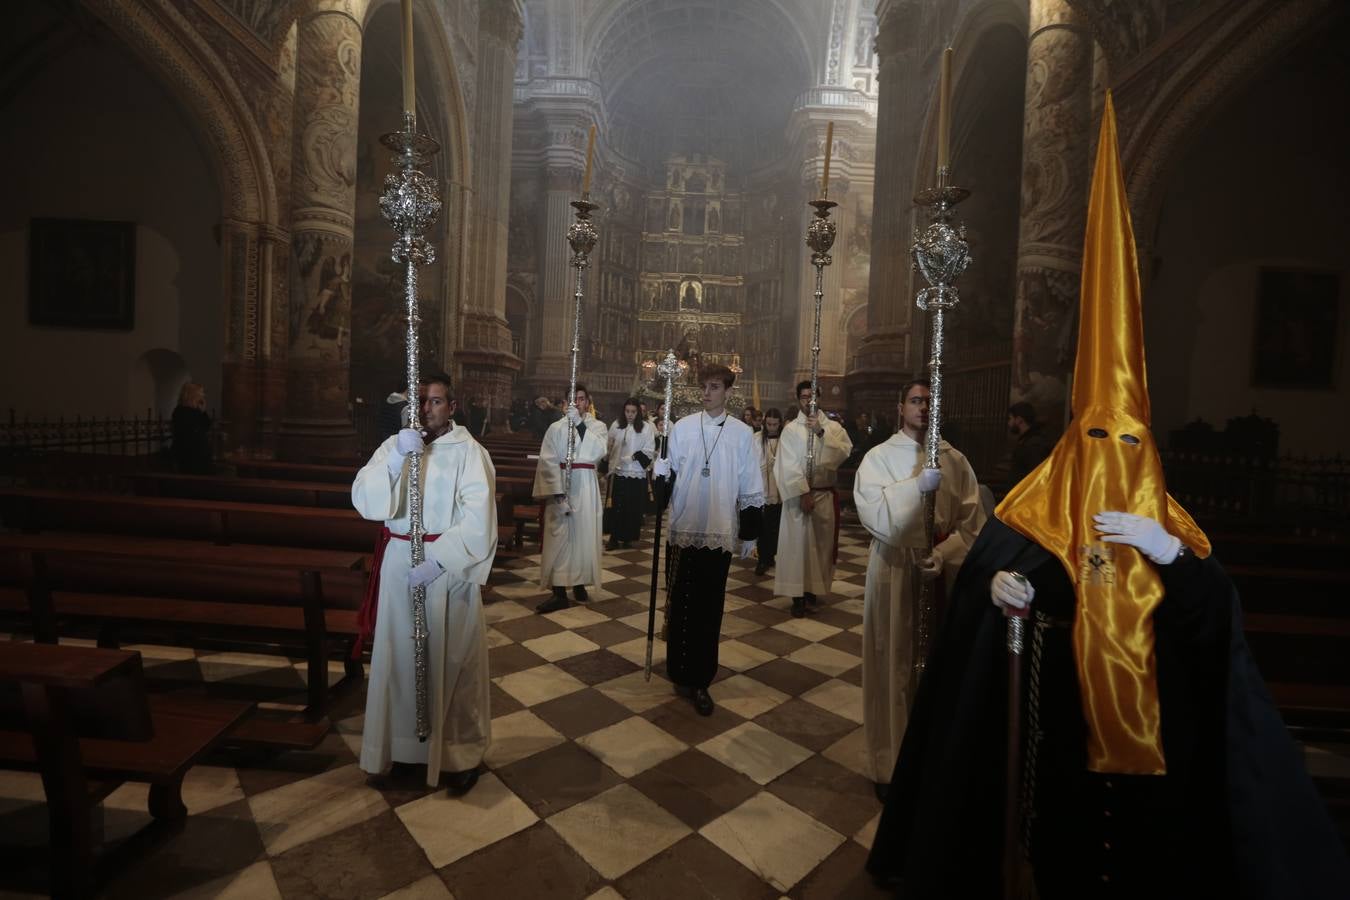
[(186, 591), (243, 490), (222, 521), (81, 717)]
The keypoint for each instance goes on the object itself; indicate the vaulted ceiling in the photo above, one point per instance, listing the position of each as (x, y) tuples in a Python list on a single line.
[(718, 77)]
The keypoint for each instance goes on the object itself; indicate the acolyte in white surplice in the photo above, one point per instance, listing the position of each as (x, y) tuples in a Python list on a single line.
[(458, 490), (890, 507), (717, 467), (571, 543)]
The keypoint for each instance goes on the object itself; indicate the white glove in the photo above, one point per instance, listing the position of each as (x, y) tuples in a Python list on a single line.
[(573, 415), (409, 441), (661, 468), (747, 549), (931, 566), (929, 480), (1146, 534), (424, 573), (1010, 592), (563, 504)]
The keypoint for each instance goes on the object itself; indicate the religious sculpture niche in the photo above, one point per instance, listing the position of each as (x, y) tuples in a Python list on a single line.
[(691, 294), (675, 220), (714, 218)]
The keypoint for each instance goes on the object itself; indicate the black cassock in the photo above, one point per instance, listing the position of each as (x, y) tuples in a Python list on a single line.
[(1236, 815)]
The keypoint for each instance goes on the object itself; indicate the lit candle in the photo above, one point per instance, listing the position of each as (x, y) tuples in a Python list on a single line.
[(829, 149), (590, 154), (409, 93), (944, 110)]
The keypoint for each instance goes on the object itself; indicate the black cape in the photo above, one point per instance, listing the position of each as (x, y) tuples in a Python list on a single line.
[(941, 833)]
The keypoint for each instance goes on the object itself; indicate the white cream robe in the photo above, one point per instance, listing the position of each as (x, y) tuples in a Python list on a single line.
[(886, 494), (805, 560), (458, 503), (571, 552)]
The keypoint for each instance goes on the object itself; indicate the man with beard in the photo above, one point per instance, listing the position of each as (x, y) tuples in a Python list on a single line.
[(459, 514)]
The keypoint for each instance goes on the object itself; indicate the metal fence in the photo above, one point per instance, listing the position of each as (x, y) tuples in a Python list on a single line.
[(1295, 490), (123, 436)]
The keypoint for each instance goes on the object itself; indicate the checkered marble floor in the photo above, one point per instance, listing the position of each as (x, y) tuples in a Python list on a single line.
[(598, 783)]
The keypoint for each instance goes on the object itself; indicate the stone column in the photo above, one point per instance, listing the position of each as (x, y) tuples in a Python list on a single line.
[(486, 364), (254, 267), (564, 161), (889, 354), (1055, 179), (318, 421)]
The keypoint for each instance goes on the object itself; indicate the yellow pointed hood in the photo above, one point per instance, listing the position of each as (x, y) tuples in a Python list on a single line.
[(1107, 460)]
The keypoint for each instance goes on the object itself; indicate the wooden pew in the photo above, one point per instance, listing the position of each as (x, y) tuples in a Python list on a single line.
[(186, 590), (82, 718), (221, 521), (244, 490), (285, 471)]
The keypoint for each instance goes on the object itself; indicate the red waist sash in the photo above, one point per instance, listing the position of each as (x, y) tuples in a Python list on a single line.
[(370, 604)]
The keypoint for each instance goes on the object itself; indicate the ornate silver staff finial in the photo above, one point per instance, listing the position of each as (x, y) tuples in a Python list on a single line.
[(940, 254), (581, 235), (820, 238), (411, 203)]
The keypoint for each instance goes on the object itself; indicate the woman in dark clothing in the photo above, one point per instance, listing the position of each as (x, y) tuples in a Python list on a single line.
[(192, 432), (631, 450)]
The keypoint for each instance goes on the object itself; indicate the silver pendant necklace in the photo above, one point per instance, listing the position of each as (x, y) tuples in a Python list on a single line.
[(707, 454)]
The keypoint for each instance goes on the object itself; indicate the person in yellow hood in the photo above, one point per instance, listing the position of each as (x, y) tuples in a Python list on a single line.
[(1155, 764)]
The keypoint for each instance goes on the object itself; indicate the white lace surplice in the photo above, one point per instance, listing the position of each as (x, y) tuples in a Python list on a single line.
[(705, 511)]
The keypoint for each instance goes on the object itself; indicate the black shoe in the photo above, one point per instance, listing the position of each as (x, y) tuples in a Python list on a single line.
[(553, 604), (881, 791), (402, 772), (703, 701), (798, 608), (580, 593), (811, 599), (627, 545), (761, 568), (460, 783)]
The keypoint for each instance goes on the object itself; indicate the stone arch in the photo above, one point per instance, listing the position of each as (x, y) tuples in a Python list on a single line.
[(1201, 82), (155, 379), (452, 118), (976, 23), (177, 54), (520, 317)]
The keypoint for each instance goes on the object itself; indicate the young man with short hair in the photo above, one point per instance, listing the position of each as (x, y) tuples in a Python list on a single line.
[(571, 526), (716, 493), (888, 492), (809, 529)]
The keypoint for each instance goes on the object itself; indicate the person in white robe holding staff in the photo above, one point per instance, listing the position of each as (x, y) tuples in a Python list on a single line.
[(460, 517), (808, 532), (572, 538), (888, 492)]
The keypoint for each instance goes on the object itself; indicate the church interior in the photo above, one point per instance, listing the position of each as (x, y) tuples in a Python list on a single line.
[(198, 200)]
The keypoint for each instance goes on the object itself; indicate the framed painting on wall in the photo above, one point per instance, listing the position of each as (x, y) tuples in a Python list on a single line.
[(1296, 329), (82, 274)]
